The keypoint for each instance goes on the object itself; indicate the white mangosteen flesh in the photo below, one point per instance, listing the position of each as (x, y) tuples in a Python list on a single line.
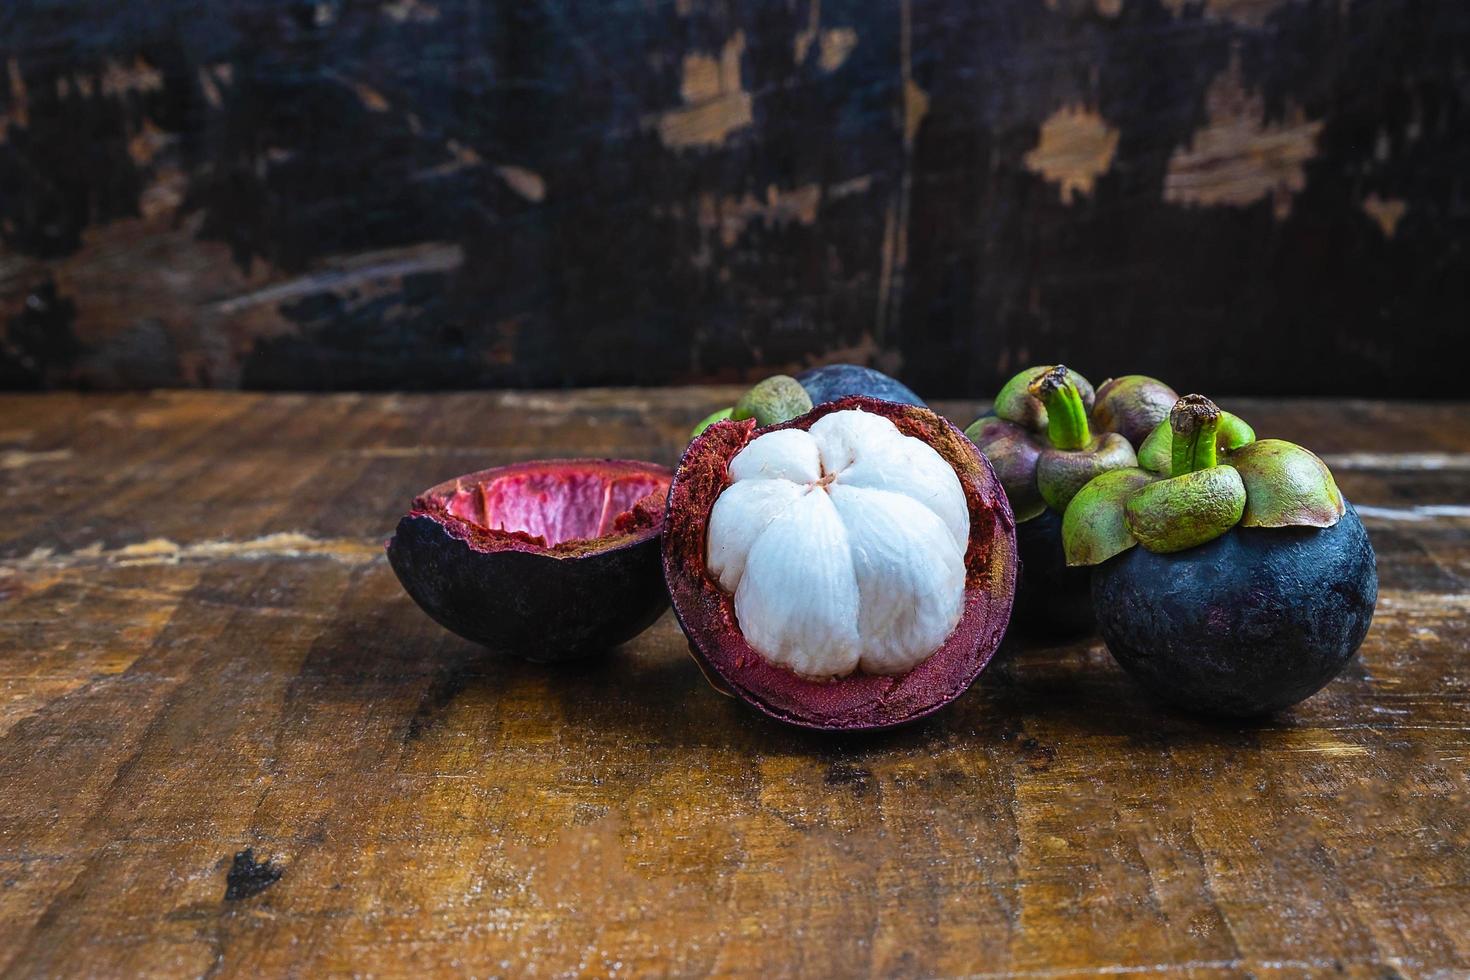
[(843, 546)]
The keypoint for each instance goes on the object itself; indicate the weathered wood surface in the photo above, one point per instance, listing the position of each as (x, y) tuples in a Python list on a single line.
[(203, 651), (458, 193)]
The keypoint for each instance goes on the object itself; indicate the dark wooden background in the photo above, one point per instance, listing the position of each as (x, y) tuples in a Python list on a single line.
[(1251, 196)]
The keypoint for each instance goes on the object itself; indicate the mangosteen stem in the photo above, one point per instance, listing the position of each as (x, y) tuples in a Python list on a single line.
[(1193, 422), (1066, 415)]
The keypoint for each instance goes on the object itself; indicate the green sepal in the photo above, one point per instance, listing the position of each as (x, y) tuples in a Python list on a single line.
[(1015, 403), (1185, 511), (1132, 405), (1156, 453), (1286, 486), (710, 420), (779, 398), (1095, 526), (1012, 452), (1061, 473), (1233, 433)]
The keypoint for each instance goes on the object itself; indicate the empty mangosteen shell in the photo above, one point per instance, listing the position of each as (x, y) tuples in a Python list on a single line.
[(859, 701), (513, 593), (1247, 624)]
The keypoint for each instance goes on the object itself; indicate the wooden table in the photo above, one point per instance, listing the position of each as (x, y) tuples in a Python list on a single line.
[(230, 745)]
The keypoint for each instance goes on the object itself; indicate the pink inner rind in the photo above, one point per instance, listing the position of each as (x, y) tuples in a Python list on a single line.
[(859, 700), (558, 507)]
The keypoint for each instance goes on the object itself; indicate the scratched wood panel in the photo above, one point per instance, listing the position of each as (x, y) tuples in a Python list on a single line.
[(203, 653), (1261, 195)]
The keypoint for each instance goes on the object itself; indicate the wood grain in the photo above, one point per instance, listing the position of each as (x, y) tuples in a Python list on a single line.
[(205, 654)]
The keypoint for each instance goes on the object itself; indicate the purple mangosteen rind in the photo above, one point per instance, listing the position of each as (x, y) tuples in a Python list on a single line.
[(858, 702), (1247, 624), (831, 382), (514, 592)]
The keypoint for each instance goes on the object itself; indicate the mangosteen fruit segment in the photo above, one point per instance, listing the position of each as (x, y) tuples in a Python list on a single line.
[(546, 560), (830, 382), (1247, 624), (850, 569)]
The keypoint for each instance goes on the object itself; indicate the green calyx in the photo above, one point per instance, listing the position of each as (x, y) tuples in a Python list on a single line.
[(779, 398), (1095, 526), (1066, 416), (710, 420), (1192, 425), (1286, 486), (1132, 405), (1157, 452), (1040, 442), (1015, 402), (1201, 473), (1013, 453), (1188, 510), (1061, 473)]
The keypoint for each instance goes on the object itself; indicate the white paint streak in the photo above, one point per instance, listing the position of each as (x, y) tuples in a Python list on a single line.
[(434, 257), (14, 459), (163, 551), (527, 183), (1398, 461), (1414, 515)]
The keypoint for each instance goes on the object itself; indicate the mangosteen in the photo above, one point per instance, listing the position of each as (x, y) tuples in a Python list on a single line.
[(547, 560), (852, 568), (830, 382), (1237, 583), (1044, 450), (781, 397)]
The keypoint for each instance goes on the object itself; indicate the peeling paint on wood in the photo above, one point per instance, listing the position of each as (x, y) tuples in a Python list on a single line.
[(1239, 157), (1076, 146), (987, 185)]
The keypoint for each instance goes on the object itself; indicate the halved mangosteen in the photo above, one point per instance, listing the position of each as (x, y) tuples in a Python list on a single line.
[(547, 560), (850, 569)]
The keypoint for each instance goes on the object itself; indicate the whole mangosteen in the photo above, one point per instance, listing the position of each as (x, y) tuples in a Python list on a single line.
[(1044, 449), (852, 568), (781, 397), (1236, 582), (546, 560), (830, 382)]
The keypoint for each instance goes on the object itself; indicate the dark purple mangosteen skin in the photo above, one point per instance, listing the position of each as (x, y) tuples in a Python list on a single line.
[(1248, 624), (563, 608), (834, 381), (1053, 600)]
